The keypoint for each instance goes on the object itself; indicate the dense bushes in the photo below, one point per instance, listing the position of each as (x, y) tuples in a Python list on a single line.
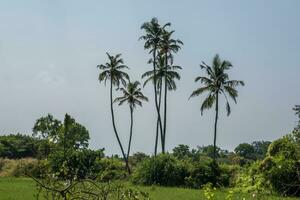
[(18, 146), (107, 169), (167, 170), (282, 166), (163, 170), (77, 164), (277, 173), (19, 167)]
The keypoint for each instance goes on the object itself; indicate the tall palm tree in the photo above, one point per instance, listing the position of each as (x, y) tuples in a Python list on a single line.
[(297, 112), (112, 71), (133, 96), (152, 38), (168, 46), (216, 83), (166, 75)]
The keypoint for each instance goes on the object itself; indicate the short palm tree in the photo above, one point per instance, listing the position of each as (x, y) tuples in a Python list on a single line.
[(216, 83), (152, 38), (133, 96), (112, 71)]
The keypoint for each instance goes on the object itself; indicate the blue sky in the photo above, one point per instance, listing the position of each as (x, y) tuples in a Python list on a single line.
[(49, 51)]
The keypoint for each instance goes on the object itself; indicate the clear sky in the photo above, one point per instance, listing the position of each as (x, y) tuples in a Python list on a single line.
[(49, 51)]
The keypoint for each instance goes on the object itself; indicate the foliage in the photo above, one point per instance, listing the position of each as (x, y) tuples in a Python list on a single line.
[(137, 158), (209, 191), (282, 166), (167, 170), (109, 169), (250, 179), (283, 147), (182, 151), (284, 175), (245, 150), (201, 173), (20, 167), (78, 164), (18, 146), (163, 169), (65, 135)]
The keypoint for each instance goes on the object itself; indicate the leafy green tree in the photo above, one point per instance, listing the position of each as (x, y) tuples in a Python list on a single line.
[(46, 129), (153, 34), (133, 96), (113, 71), (216, 83), (66, 135), (261, 148), (182, 151), (246, 150), (137, 158)]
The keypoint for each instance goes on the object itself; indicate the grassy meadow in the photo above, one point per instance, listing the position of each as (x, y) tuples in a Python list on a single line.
[(24, 189)]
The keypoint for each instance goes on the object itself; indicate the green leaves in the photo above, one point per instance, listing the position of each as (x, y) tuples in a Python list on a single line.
[(216, 82), (132, 95), (113, 70)]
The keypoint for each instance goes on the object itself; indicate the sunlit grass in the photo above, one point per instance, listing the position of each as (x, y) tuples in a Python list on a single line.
[(24, 189)]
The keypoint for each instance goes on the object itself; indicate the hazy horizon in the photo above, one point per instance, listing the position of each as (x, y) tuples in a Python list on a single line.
[(49, 51)]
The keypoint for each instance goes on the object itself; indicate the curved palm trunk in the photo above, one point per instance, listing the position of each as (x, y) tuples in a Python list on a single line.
[(216, 123), (157, 123), (130, 137), (115, 130), (155, 94)]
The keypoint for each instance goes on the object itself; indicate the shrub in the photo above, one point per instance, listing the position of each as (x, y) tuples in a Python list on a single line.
[(20, 167), (108, 169), (283, 175), (251, 179), (163, 169), (77, 164), (281, 167), (202, 173), (282, 147)]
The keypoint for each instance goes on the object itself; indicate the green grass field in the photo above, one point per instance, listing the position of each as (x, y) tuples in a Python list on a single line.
[(24, 189)]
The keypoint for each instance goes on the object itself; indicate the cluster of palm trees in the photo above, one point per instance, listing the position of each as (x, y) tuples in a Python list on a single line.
[(159, 42)]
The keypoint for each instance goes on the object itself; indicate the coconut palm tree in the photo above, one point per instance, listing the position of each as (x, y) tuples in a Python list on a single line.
[(168, 46), (164, 75), (113, 71), (216, 83), (152, 38), (297, 112), (133, 96)]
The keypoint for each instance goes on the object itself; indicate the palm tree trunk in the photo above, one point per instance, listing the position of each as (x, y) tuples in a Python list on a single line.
[(155, 93), (130, 137), (157, 122), (216, 123), (115, 130), (165, 103)]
